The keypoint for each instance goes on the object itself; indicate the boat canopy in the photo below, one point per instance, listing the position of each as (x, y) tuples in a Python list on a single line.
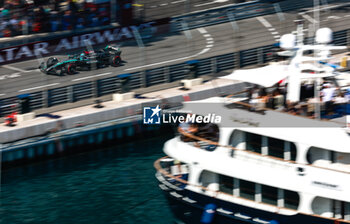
[(266, 76)]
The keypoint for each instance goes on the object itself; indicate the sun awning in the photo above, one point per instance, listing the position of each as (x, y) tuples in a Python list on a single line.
[(265, 76)]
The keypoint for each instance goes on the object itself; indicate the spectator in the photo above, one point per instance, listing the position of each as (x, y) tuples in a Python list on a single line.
[(54, 22), (262, 92), (93, 18), (278, 99), (327, 94), (18, 16), (66, 20), (4, 24), (7, 32), (270, 101), (14, 26), (72, 6), (347, 94), (253, 96), (80, 24)]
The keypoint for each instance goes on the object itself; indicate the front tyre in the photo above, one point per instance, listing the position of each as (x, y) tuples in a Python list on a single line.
[(115, 61), (60, 70), (42, 67)]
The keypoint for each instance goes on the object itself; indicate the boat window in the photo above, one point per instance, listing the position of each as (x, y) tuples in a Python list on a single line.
[(343, 158), (319, 156), (269, 194), (347, 211), (226, 184), (293, 152), (325, 158), (276, 147), (207, 177), (247, 189), (237, 139), (331, 208), (291, 199), (253, 142)]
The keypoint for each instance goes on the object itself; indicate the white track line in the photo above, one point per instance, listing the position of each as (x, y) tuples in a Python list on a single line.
[(163, 62), (264, 22), (209, 42), (333, 17), (93, 76), (174, 2), (202, 52), (203, 31), (10, 76), (209, 3), (14, 68), (311, 20), (38, 87), (2, 94), (269, 27)]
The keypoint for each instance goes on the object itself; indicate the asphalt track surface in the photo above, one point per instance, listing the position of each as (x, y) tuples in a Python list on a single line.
[(156, 9), (24, 77)]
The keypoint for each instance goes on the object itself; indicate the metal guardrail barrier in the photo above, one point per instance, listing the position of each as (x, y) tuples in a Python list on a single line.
[(166, 74)]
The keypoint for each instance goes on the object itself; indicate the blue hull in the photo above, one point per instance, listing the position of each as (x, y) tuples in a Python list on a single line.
[(191, 211)]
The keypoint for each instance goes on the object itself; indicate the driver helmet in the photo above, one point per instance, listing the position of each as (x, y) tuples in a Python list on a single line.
[(82, 56)]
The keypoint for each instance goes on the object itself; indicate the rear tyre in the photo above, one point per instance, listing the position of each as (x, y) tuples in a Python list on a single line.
[(71, 69), (115, 61)]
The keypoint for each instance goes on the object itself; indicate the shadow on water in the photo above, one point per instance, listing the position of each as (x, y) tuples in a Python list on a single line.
[(109, 185), (83, 161)]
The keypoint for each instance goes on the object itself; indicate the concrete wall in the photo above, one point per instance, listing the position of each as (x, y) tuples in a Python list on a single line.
[(95, 116)]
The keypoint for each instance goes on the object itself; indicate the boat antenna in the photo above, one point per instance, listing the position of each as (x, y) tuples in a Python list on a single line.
[(317, 81), (300, 32)]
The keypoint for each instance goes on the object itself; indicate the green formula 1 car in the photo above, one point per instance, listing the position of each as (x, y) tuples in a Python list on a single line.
[(55, 67), (87, 60)]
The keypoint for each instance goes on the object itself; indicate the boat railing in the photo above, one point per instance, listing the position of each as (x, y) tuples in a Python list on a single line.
[(255, 154), (305, 108), (213, 193), (216, 194)]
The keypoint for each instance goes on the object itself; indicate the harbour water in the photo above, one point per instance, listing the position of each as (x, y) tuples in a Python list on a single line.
[(108, 185)]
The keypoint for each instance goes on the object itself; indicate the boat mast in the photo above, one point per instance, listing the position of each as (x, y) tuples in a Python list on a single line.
[(293, 90), (317, 81)]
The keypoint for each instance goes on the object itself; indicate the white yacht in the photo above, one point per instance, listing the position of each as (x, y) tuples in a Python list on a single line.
[(260, 166)]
